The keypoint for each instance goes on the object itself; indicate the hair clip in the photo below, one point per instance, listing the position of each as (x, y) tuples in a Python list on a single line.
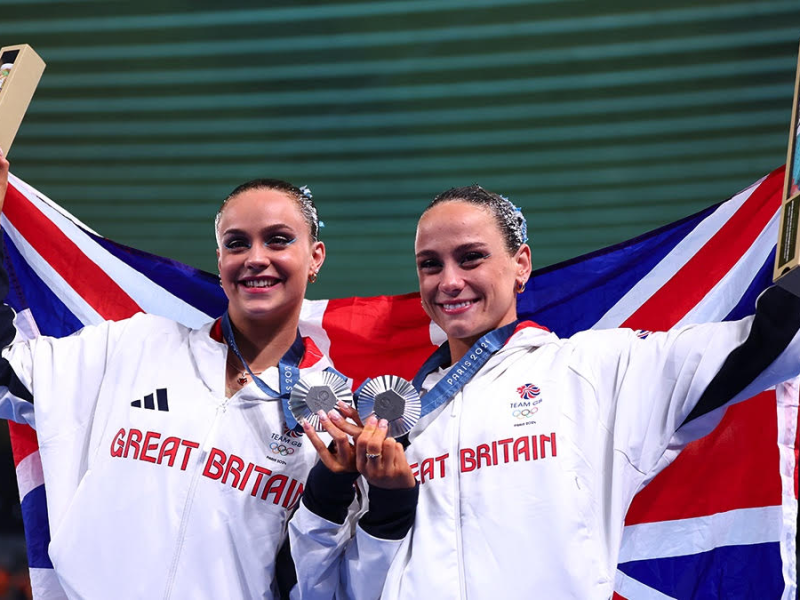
[(523, 226)]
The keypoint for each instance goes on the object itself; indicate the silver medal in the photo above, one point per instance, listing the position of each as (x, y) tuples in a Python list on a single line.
[(392, 398), (315, 392)]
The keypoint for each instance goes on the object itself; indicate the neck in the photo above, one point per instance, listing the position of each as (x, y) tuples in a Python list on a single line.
[(460, 346), (263, 345)]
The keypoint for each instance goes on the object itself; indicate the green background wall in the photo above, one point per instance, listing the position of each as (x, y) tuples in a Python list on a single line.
[(601, 119)]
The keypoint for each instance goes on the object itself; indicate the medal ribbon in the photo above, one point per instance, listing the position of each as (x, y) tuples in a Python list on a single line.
[(288, 370), (461, 372)]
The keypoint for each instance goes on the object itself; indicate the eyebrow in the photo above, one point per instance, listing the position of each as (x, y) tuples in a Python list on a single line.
[(267, 229), (460, 248)]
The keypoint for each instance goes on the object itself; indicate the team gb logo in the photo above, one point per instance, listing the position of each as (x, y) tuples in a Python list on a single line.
[(528, 391)]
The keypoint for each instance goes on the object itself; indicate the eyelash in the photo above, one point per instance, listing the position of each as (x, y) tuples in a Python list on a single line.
[(277, 241), (473, 257), (468, 261)]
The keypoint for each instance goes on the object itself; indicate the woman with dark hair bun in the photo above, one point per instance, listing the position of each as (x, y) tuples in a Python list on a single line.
[(530, 447)]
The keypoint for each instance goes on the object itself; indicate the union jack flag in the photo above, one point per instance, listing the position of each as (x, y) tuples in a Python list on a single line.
[(720, 522), (528, 391)]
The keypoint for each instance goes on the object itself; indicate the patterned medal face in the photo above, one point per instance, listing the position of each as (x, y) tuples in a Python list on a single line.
[(392, 398), (315, 392)]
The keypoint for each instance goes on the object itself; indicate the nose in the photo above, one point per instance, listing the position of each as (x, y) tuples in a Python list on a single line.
[(257, 257), (450, 282)]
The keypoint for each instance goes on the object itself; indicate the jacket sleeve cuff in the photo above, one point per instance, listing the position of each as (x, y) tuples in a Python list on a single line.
[(328, 494), (391, 512)]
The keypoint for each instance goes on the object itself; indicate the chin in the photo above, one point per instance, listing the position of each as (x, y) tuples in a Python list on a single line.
[(460, 331)]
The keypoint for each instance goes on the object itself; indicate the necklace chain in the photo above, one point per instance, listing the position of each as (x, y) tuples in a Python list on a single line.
[(243, 375)]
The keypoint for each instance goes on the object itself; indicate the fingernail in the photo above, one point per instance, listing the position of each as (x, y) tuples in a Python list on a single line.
[(305, 423), (322, 416), (372, 420), (342, 404), (334, 415), (383, 424)]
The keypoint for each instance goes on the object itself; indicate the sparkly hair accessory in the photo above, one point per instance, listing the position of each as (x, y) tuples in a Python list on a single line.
[(523, 224), (306, 191)]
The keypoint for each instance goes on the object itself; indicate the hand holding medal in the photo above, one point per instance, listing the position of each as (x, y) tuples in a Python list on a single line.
[(380, 458), (385, 403)]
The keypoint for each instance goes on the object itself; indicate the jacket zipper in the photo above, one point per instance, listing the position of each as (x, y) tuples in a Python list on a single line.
[(187, 507), (456, 414)]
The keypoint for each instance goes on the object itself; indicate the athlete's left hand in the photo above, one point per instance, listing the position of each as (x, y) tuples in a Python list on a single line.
[(382, 459), (341, 456)]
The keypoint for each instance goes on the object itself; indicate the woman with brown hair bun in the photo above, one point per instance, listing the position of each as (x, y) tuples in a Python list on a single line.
[(530, 447)]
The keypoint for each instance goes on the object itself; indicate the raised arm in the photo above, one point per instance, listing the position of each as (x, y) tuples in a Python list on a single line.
[(3, 177), (6, 314), (667, 389), (16, 402)]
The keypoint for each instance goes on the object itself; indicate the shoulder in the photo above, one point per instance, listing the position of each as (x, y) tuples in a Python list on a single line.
[(143, 324)]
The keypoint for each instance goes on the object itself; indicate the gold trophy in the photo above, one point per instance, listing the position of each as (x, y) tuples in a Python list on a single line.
[(20, 71), (787, 256)]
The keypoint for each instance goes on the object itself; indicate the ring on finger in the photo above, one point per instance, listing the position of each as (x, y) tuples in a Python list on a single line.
[(373, 456)]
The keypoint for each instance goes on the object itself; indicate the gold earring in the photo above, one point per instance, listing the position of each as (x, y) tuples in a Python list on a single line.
[(313, 277), (519, 287)]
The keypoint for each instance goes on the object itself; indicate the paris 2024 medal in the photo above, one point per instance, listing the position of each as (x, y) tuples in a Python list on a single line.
[(392, 398), (316, 392)]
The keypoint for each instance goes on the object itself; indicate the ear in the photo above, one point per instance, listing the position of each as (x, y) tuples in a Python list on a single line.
[(317, 256), (218, 258), (523, 263)]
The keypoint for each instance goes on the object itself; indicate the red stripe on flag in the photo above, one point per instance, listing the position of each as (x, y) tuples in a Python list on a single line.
[(734, 467), (710, 264), (378, 336), (23, 441), (84, 276), (616, 596)]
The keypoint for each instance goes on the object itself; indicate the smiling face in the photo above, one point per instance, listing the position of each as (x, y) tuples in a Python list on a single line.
[(265, 256), (467, 277)]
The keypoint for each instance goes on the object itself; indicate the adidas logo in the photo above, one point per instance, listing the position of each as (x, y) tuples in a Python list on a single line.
[(160, 399)]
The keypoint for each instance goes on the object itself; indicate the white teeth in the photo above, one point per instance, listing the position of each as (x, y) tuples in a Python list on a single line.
[(259, 283), (457, 305)]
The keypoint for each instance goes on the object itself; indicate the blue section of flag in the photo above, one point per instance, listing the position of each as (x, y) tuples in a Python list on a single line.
[(193, 286), (37, 528), (572, 296), (51, 314), (761, 281), (729, 573)]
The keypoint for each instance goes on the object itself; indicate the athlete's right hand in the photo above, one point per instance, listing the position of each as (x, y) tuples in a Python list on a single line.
[(3, 178)]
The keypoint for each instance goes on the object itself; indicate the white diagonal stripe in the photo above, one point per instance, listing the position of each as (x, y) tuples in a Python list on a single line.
[(29, 474), (71, 299), (151, 297), (724, 296), (666, 269), (685, 537), (631, 589), (310, 325)]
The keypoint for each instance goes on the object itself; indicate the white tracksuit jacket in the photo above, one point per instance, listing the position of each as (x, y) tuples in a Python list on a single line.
[(527, 473), (158, 486)]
